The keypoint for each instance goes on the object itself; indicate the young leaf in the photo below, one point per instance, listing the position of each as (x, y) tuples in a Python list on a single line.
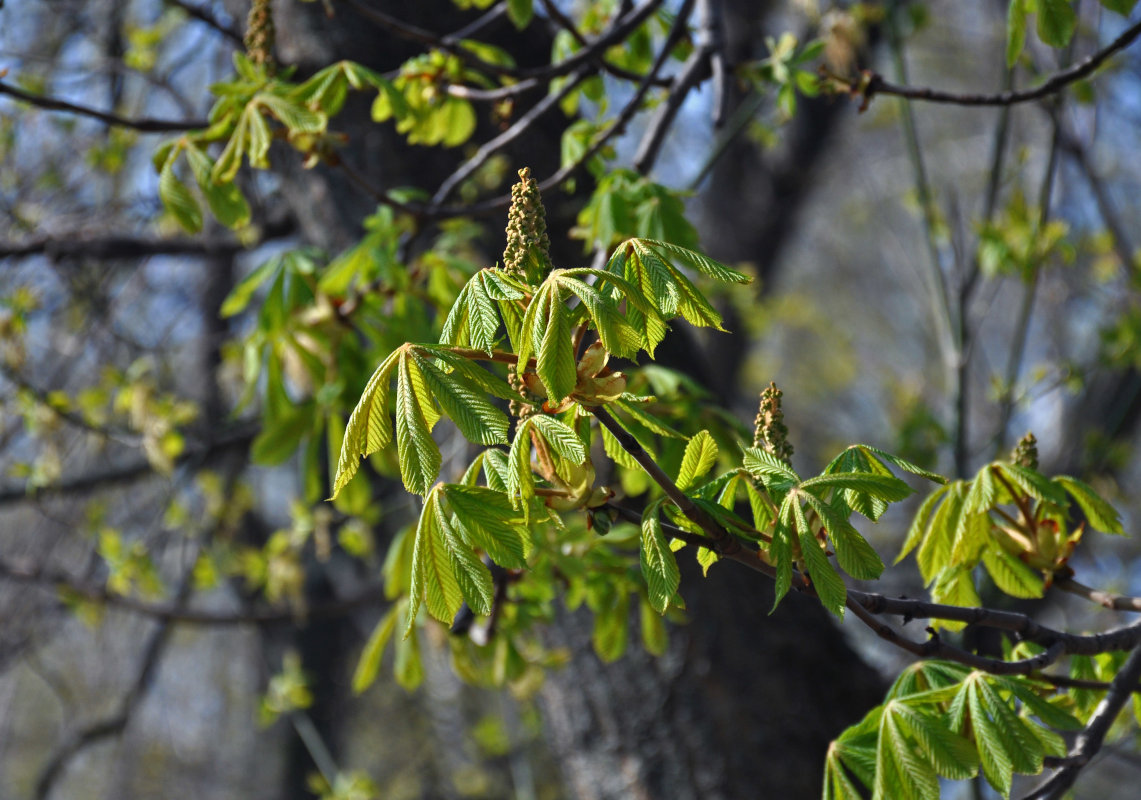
[(368, 429), (433, 578), (369, 664), (700, 456), (659, 567), (555, 361), (1015, 30), (520, 479), (472, 575), (1100, 514), (900, 775), (1012, 575), (769, 469), (884, 487), (226, 200), (1056, 22), (858, 558), (178, 200), (473, 320), (478, 420), (935, 551), (488, 521), (919, 525), (415, 416), (561, 437), (952, 756), (828, 584)]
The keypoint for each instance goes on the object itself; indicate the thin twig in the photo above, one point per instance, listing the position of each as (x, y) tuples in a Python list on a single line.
[(141, 124), (875, 83), (493, 146), (1116, 602)]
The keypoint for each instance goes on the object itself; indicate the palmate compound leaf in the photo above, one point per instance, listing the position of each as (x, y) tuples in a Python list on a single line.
[(369, 664), (449, 379), (882, 487), (659, 566), (950, 754)]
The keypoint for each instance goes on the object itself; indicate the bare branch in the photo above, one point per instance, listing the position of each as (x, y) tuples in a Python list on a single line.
[(872, 83), (141, 124)]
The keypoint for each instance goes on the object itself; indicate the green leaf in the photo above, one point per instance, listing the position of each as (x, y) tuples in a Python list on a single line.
[(919, 525), (472, 575), (654, 636), (561, 437), (837, 784), (415, 416), (769, 469), (659, 567), (1049, 713), (611, 626), (368, 429), (293, 116), (473, 319), (555, 360), (935, 550), (900, 775), (828, 584), (1015, 30), (369, 664), (884, 487), (1033, 483), (241, 294), (226, 200), (178, 200), (1012, 575), (520, 478), (433, 579), (903, 464), (700, 456), (478, 420), (950, 754), (1056, 22), (521, 12), (983, 493), (1100, 514)]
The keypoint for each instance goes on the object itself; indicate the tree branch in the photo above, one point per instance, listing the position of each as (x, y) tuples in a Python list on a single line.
[(141, 124), (1116, 602), (872, 83)]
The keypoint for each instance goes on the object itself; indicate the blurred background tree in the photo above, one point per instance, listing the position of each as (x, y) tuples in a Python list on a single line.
[(183, 614)]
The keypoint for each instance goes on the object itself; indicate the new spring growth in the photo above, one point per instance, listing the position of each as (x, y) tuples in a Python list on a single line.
[(770, 433), (260, 35), (528, 247), (1025, 453)]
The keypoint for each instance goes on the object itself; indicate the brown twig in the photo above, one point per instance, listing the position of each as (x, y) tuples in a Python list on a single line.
[(872, 83), (1116, 602)]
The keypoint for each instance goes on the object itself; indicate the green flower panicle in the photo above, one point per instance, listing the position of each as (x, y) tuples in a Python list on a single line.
[(528, 246), (769, 432)]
